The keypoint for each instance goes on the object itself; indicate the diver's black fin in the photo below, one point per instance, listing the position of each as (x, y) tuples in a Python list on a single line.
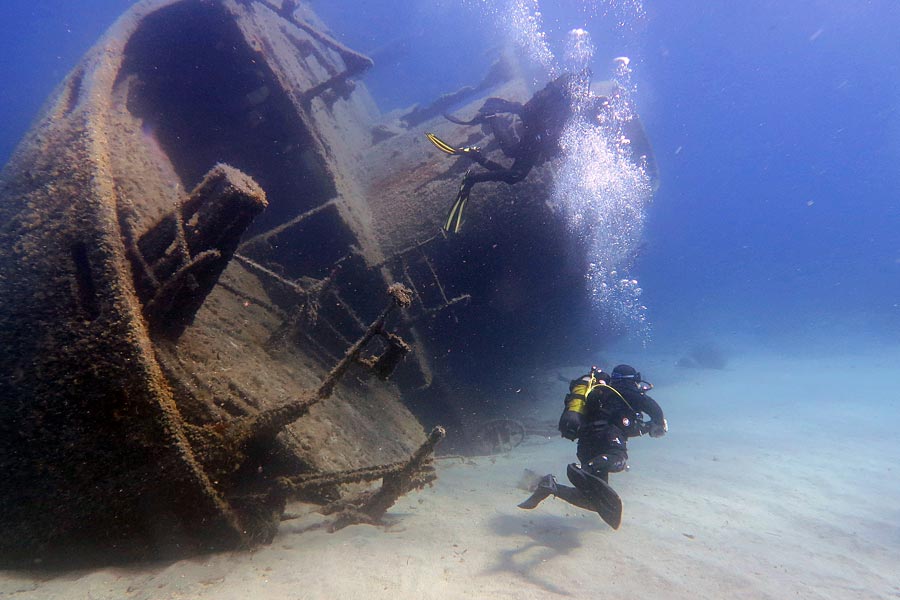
[(545, 487), (605, 499), (455, 216)]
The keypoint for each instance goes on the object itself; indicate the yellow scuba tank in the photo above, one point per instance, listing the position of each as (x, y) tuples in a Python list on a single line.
[(580, 389)]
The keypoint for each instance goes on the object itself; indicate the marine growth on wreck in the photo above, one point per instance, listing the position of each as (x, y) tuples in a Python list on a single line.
[(223, 286)]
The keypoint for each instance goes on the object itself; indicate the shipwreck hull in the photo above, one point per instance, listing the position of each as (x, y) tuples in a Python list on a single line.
[(89, 423), (516, 257), (110, 356), (199, 226)]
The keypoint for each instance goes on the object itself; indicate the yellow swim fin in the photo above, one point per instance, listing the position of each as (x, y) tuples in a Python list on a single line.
[(455, 216), (448, 149), (441, 144)]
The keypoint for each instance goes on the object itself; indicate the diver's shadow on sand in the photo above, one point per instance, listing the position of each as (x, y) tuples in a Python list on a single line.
[(549, 537)]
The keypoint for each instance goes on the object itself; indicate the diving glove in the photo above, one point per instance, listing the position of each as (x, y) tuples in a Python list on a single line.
[(657, 430)]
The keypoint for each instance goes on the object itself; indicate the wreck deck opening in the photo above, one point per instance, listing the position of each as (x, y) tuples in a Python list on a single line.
[(207, 97)]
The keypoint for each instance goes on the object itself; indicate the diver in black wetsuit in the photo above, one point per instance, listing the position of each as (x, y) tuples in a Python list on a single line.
[(528, 133), (602, 412)]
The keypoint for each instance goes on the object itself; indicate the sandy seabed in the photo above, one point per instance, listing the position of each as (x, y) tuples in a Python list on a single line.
[(778, 479)]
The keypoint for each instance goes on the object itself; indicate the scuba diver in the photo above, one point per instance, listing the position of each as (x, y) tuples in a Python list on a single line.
[(528, 133), (601, 411)]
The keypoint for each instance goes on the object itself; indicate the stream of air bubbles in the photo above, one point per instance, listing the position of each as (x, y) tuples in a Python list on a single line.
[(598, 186)]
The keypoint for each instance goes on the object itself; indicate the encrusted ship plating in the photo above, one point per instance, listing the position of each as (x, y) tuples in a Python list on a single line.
[(142, 402), (195, 241)]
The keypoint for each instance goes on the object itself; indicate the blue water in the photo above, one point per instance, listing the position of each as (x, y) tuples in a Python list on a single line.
[(775, 232), (780, 214), (776, 127)]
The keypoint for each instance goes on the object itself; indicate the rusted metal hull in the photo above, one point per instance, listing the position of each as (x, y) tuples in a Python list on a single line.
[(98, 388), (194, 232)]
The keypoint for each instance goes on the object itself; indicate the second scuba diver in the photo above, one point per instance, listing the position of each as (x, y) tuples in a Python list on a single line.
[(601, 411), (528, 133)]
